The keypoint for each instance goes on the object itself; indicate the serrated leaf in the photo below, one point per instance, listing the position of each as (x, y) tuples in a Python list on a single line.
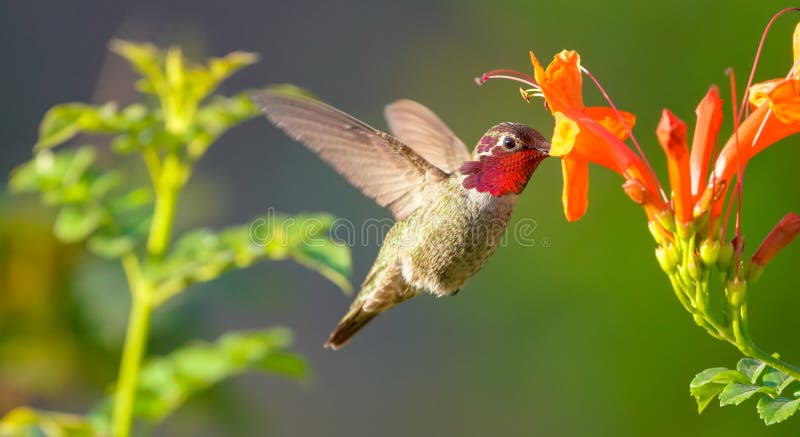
[(27, 422), (736, 393), (751, 368), (776, 379), (705, 393), (721, 375), (774, 411), (167, 382)]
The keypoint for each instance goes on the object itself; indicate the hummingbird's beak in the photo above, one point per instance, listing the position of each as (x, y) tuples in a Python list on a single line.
[(544, 147)]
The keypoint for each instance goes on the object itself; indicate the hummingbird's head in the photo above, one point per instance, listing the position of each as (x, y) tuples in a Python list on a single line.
[(504, 159)]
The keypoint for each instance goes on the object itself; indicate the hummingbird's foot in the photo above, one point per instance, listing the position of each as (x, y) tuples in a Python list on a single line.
[(455, 292)]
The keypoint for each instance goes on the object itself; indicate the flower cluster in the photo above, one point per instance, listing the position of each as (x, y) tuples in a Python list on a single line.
[(689, 223)]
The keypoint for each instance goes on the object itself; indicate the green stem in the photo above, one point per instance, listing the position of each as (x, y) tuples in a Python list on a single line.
[(133, 350), (163, 217), (172, 176)]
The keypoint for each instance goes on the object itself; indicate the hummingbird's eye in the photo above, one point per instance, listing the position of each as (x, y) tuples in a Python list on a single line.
[(509, 143)]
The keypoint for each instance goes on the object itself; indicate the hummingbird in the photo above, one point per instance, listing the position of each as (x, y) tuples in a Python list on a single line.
[(451, 207)]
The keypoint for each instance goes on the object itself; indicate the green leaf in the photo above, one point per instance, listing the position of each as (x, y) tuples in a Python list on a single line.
[(736, 393), (145, 59), (774, 411), (203, 255), (751, 368), (704, 394), (49, 171), (27, 422), (61, 123), (216, 117), (290, 90), (721, 375), (75, 223), (776, 379), (167, 382)]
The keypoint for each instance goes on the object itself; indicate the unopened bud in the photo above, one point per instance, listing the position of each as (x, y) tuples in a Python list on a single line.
[(709, 252), (725, 256), (667, 258), (667, 220), (657, 232), (695, 267), (736, 292)]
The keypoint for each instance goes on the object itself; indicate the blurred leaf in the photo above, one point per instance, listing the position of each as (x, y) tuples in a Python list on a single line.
[(203, 255), (291, 90), (774, 411), (216, 117), (62, 122), (167, 382), (736, 393), (75, 223), (145, 59), (26, 422)]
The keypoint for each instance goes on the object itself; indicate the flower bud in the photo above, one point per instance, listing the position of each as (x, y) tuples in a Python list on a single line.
[(709, 252), (667, 220), (736, 292), (695, 267), (657, 232), (725, 256), (667, 258)]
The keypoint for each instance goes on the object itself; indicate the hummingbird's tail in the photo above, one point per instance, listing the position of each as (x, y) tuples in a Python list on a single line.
[(353, 321)]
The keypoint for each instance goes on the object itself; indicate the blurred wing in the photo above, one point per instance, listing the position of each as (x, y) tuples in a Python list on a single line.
[(381, 166), (423, 131)]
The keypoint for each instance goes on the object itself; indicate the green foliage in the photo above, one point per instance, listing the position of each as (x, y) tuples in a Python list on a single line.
[(202, 255), (27, 422), (116, 218), (168, 382), (751, 378), (93, 203)]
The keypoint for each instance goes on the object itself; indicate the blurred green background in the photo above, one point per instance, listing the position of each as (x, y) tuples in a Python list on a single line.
[(582, 337)]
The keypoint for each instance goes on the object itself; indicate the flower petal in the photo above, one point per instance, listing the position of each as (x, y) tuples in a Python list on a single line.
[(564, 134), (709, 119), (564, 76), (779, 237), (759, 93), (785, 101), (608, 118), (671, 133), (575, 196)]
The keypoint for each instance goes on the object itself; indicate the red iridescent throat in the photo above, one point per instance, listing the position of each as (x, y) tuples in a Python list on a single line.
[(502, 172)]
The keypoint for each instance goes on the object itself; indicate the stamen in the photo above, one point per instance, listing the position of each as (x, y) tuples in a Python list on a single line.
[(628, 130), (743, 108), (739, 177), (508, 74)]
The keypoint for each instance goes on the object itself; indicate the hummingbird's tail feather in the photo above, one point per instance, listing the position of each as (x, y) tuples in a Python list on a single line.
[(355, 319)]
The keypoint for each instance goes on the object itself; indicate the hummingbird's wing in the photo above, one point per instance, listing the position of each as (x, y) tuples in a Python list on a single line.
[(380, 165), (417, 126)]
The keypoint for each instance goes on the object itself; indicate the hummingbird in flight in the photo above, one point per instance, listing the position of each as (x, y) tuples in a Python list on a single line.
[(451, 207)]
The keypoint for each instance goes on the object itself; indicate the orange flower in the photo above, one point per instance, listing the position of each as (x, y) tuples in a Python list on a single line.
[(584, 134), (776, 115)]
